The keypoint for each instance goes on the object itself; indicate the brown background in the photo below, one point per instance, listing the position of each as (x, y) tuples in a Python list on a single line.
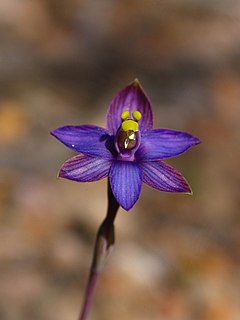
[(61, 62)]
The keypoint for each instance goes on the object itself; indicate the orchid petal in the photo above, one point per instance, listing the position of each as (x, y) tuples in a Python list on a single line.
[(163, 177), (83, 168), (126, 183), (87, 139), (131, 98), (158, 144)]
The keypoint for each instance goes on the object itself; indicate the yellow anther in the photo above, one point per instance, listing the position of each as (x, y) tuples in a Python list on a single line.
[(129, 125), (136, 115), (125, 115)]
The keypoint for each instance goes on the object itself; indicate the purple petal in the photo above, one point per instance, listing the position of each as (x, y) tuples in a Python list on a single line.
[(163, 177), (160, 144), (131, 98), (87, 139), (85, 169), (126, 183)]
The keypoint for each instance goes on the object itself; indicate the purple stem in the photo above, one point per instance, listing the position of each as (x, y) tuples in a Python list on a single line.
[(103, 245), (91, 288)]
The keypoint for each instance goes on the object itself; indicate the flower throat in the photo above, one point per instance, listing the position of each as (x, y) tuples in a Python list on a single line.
[(127, 134)]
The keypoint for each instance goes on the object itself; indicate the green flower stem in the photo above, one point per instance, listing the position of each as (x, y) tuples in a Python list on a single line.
[(103, 247)]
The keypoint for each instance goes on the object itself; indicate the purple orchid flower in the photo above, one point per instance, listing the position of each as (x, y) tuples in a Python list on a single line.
[(129, 150)]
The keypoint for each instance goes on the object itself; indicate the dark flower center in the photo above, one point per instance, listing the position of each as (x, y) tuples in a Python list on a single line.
[(128, 137)]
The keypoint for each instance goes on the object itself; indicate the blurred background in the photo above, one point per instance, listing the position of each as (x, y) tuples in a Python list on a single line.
[(61, 62)]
